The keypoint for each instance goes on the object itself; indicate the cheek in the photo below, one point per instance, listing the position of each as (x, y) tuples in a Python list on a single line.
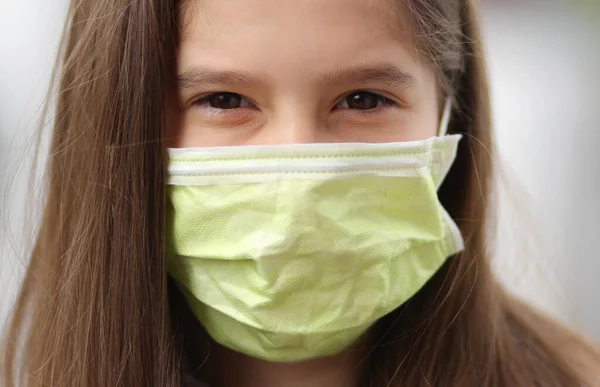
[(424, 120), (186, 134), (424, 123), (397, 125)]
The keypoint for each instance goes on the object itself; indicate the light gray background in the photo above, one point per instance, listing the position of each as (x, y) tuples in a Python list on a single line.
[(544, 62)]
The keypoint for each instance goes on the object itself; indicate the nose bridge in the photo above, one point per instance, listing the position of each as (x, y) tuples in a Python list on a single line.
[(294, 123)]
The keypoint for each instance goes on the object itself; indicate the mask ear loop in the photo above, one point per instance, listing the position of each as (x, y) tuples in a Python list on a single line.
[(445, 122)]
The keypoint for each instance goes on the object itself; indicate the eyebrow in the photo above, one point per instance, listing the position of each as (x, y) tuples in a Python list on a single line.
[(198, 76), (381, 73)]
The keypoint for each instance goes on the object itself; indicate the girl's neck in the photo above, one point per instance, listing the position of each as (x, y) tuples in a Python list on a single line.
[(232, 369)]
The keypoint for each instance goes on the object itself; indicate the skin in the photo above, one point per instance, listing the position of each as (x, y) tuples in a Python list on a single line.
[(290, 72)]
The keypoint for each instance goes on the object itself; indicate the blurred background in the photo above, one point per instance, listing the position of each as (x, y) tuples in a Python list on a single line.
[(544, 66)]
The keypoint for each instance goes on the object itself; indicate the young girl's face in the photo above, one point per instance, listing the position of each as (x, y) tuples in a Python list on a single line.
[(256, 72)]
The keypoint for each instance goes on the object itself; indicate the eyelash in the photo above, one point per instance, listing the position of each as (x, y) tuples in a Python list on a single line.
[(383, 102)]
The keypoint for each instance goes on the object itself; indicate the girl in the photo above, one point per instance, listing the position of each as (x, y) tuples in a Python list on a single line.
[(275, 193)]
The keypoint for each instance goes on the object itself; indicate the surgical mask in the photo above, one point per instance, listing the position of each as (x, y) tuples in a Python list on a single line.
[(292, 252)]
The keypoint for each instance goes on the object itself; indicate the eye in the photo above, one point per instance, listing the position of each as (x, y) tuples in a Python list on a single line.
[(364, 100), (223, 101)]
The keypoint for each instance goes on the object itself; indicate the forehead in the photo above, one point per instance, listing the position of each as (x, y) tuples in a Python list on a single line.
[(272, 35), (379, 15)]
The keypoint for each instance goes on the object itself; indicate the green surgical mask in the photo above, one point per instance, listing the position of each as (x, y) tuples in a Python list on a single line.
[(287, 253)]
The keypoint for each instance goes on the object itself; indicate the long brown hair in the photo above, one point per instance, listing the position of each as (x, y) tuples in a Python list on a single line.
[(94, 308)]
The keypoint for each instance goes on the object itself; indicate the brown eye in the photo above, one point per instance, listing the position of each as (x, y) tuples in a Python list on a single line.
[(363, 100), (225, 101)]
